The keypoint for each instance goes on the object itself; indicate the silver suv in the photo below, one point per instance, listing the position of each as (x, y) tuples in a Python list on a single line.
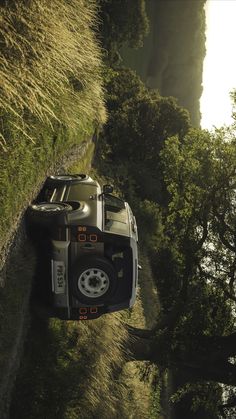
[(93, 236)]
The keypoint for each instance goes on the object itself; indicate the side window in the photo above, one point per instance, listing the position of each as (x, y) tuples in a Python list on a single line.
[(116, 217), (113, 203)]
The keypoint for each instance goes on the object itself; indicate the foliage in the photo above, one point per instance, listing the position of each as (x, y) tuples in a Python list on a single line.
[(200, 177), (201, 398), (171, 59), (181, 183), (187, 228), (122, 22), (139, 122)]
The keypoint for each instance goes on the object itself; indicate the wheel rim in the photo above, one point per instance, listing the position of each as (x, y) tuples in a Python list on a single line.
[(93, 283), (48, 207)]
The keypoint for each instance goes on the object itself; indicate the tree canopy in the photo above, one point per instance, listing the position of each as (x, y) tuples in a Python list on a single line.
[(182, 184), (139, 122), (171, 59), (122, 22), (195, 262)]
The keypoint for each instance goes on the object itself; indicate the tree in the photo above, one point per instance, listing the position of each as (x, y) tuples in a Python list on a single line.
[(139, 123), (195, 262), (122, 22), (181, 183)]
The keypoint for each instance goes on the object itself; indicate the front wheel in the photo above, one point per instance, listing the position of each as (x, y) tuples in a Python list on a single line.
[(94, 281)]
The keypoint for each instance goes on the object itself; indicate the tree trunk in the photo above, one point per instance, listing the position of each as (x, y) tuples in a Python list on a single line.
[(208, 361), (140, 333), (221, 372), (142, 345)]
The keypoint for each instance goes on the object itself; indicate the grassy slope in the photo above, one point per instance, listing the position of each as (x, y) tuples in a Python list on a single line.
[(51, 93)]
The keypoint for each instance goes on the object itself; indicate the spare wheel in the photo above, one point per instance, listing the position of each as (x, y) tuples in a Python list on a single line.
[(94, 280)]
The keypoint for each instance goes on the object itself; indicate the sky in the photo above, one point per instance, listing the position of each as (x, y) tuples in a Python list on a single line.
[(219, 70)]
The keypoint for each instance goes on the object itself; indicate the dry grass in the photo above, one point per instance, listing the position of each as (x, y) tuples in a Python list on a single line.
[(76, 370), (149, 295), (49, 64), (14, 314), (83, 165), (51, 93), (104, 341)]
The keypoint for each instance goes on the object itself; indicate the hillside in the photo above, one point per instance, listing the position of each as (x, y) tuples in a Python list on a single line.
[(171, 59), (51, 93)]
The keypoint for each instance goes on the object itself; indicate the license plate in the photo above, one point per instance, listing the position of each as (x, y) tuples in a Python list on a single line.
[(59, 277)]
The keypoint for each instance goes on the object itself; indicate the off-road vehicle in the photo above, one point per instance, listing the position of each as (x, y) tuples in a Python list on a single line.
[(93, 236)]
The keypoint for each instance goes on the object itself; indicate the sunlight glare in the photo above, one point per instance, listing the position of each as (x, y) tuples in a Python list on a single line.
[(219, 70)]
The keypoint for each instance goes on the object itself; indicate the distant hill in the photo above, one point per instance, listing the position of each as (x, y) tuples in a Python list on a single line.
[(171, 59)]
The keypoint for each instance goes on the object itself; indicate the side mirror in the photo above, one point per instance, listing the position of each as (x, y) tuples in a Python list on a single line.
[(107, 189)]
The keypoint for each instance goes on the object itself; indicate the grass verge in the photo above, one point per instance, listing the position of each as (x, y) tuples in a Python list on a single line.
[(14, 314), (77, 370)]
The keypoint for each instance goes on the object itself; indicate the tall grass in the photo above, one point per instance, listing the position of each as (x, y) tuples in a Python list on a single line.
[(51, 93), (76, 370), (14, 315), (49, 64)]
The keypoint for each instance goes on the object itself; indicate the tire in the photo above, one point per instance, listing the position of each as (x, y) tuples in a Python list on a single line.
[(49, 209), (65, 179), (42, 215), (95, 280)]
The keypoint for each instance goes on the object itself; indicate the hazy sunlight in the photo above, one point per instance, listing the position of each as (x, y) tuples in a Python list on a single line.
[(219, 72)]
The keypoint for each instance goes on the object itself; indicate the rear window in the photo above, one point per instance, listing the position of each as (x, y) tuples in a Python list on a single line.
[(116, 216)]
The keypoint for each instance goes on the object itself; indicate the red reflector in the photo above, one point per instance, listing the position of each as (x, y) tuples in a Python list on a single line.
[(83, 310), (93, 310), (93, 238), (82, 237)]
